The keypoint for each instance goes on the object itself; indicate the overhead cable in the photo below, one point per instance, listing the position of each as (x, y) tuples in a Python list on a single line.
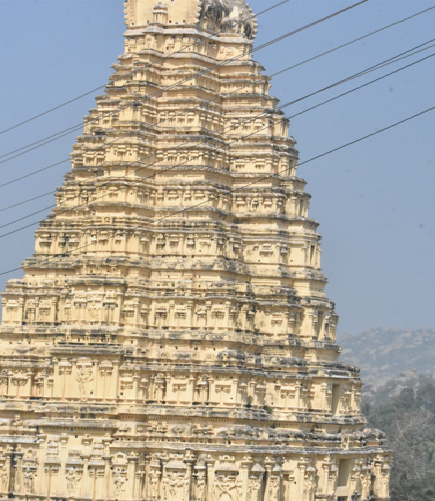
[(59, 135), (285, 105), (131, 73), (252, 183)]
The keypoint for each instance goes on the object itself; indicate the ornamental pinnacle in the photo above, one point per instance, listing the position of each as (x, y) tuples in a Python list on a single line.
[(171, 340)]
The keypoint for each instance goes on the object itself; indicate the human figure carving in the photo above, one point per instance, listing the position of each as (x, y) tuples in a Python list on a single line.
[(72, 478), (154, 484), (224, 485), (28, 482), (175, 487), (4, 478), (84, 378), (200, 487), (254, 488), (240, 493), (93, 310), (274, 488), (118, 481)]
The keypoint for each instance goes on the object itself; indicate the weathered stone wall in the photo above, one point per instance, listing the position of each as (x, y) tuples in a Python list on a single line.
[(171, 338)]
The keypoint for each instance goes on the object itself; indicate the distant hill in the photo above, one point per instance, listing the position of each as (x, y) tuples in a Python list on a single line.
[(399, 399), (385, 353)]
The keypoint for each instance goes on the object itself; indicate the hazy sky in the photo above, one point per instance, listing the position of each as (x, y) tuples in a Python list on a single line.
[(374, 200)]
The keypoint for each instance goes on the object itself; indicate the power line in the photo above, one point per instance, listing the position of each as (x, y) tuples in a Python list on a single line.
[(232, 127), (65, 132), (27, 201), (275, 74), (73, 128), (255, 182), (284, 170), (361, 73), (191, 109), (133, 72), (361, 86), (109, 114), (356, 40), (115, 79), (198, 144), (33, 173)]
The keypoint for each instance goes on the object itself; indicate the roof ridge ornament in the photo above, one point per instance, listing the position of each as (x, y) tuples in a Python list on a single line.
[(223, 16), (228, 16)]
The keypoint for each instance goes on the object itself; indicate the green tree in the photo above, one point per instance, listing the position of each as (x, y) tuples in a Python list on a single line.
[(409, 423)]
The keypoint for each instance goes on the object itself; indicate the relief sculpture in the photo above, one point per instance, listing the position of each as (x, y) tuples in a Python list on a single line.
[(254, 488), (228, 16), (118, 483), (177, 484), (225, 488), (84, 377), (171, 338), (72, 481), (201, 486), (4, 478)]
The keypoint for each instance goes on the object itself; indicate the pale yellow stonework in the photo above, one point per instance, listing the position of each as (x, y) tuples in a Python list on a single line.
[(157, 352)]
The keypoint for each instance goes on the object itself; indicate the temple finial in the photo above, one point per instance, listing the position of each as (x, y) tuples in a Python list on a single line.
[(227, 16)]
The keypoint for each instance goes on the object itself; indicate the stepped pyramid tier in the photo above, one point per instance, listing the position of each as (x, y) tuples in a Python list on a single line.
[(171, 339)]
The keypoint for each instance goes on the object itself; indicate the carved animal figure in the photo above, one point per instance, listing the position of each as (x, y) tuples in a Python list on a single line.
[(228, 15)]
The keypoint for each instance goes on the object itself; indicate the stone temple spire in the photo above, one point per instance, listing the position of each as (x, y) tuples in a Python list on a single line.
[(233, 16), (170, 339)]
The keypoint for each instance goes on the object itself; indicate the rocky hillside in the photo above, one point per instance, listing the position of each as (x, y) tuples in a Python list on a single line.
[(384, 354)]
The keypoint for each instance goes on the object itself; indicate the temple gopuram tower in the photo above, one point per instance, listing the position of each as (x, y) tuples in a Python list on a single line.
[(171, 339)]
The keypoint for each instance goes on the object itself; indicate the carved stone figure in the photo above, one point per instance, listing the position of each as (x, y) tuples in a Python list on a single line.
[(176, 484), (94, 310), (240, 490), (275, 486), (224, 484), (72, 480), (27, 481), (84, 377), (118, 483), (310, 484), (228, 16), (214, 10), (201, 484), (254, 488), (4, 478), (154, 484), (365, 483)]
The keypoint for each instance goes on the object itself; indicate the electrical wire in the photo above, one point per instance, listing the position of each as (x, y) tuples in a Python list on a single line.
[(132, 72), (117, 139), (284, 170), (274, 74), (356, 40), (198, 144), (361, 73), (79, 126), (27, 201), (76, 127), (253, 182), (360, 86)]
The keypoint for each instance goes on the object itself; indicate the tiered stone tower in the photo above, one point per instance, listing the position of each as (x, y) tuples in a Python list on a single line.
[(158, 352)]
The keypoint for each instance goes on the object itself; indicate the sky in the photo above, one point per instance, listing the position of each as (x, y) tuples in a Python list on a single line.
[(374, 200)]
